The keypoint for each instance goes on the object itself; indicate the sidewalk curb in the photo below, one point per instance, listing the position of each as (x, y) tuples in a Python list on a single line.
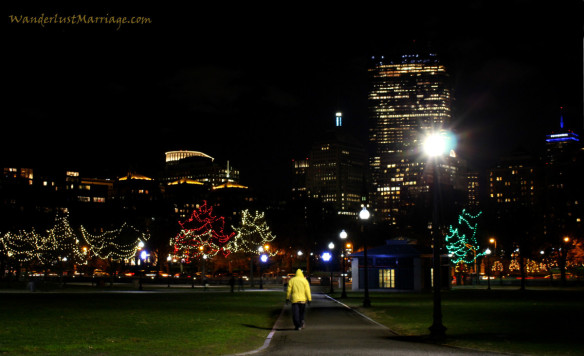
[(268, 338), (361, 314)]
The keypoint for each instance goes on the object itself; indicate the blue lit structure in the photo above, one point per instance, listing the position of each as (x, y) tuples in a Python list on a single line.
[(563, 135)]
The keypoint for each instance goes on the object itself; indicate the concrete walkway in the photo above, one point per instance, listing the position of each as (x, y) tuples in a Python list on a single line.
[(333, 329)]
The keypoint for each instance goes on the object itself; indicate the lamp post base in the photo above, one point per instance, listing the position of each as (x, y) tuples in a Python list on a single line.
[(437, 330), (366, 302)]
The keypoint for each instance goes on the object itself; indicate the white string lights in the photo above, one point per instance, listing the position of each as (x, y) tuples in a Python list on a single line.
[(119, 244), (62, 243), (253, 235)]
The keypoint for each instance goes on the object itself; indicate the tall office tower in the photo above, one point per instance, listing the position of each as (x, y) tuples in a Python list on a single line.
[(299, 168), (564, 192), (336, 173), (473, 190), (514, 200), (409, 97)]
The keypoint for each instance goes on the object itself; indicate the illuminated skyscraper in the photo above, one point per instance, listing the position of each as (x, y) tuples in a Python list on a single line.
[(564, 192), (409, 97), (336, 173)]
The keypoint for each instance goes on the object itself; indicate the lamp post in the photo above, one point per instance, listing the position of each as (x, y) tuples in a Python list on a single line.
[(204, 273), (263, 259), (169, 264), (435, 146), (331, 246), (563, 260), (493, 241), (143, 257), (343, 236), (261, 253), (488, 267), (327, 257), (364, 216)]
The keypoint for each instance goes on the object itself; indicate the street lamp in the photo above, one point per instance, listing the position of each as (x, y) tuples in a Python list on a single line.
[(343, 236), (488, 266), (169, 265), (143, 257), (493, 241), (263, 259), (564, 259), (331, 246), (435, 146), (327, 257), (364, 216)]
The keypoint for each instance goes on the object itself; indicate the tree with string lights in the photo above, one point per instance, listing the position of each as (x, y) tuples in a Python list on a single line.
[(252, 238), (114, 246), (201, 235), (252, 233), (461, 240)]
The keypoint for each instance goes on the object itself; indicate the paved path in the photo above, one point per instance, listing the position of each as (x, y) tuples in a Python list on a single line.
[(333, 329)]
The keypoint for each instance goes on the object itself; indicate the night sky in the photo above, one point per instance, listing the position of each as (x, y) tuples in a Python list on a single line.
[(257, 85)]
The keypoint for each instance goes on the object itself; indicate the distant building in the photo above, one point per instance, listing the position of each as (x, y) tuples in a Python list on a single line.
[(337, 171), (564, 191), (298, 180), (473, 189), (514, 181), (409, 97), (197, 166), (191, 177), (514, 201)]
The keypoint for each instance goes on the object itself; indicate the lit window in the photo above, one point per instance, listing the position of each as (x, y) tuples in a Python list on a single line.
[(387, 278)]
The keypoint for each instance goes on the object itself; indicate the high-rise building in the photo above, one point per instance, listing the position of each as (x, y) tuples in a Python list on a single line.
[(564, 193), (410, 97), (336, 172), (299, 168)]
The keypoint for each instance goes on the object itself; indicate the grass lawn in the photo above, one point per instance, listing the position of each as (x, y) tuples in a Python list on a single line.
[(534, 322), (145, 323)]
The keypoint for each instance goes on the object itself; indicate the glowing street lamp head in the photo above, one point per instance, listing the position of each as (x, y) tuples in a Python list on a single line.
[(326, 256), (331, 246), (264, 258), (439, 143), (343, 234), (364, 214)]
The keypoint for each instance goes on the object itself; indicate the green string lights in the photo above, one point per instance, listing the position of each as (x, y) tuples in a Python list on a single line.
[(461, 241)]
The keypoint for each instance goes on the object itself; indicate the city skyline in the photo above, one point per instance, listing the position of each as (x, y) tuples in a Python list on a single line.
[(109, 100)]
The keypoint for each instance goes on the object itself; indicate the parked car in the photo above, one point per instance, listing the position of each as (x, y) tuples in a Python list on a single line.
[(100, 273)]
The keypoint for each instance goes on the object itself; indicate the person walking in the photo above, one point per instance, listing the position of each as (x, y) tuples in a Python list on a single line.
[(298, 293), (232, 282)]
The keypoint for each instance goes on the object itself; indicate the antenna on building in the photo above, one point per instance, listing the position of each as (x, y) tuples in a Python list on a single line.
[(339, 119)]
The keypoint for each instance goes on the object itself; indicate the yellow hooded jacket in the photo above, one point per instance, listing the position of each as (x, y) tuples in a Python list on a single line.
[(298, 289)]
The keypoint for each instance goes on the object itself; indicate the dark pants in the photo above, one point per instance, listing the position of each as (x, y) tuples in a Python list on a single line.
[(298, 314)]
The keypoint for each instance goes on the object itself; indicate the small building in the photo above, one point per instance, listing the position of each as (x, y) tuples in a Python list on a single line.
[(397, 265)]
